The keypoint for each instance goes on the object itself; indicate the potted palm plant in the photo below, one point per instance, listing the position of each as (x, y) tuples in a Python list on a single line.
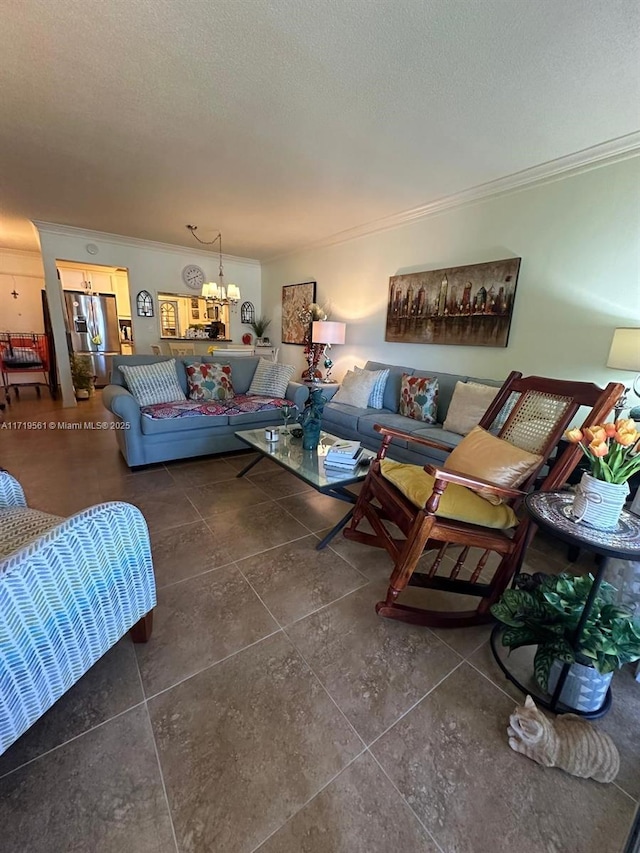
[(544, 610), (82, 376), (260, 326)]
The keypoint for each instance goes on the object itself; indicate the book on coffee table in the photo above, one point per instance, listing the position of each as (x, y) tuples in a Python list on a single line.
[(343, 462), (343, 451)]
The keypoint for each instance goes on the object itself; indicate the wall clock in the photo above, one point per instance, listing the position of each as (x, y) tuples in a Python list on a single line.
[(144, 304), (193, 277)]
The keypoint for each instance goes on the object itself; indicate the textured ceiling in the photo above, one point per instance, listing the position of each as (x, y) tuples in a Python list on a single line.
[(279, 122)]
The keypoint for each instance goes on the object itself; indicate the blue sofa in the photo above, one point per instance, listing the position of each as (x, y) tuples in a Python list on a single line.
[(358, 424), (143, 440)]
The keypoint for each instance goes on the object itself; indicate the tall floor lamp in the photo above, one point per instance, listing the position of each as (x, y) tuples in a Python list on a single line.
[(625, 355)]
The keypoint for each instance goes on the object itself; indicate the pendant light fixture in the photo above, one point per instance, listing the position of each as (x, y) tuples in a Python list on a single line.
[(213, 291)]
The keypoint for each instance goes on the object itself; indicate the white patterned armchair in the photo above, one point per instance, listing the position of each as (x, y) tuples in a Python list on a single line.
[(69, 589)]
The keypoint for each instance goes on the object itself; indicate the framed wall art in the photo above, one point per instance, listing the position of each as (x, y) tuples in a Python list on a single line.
[(462, 306), (295, 299)]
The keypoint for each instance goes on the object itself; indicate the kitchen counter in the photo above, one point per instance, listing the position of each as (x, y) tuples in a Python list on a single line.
[(200, 346)]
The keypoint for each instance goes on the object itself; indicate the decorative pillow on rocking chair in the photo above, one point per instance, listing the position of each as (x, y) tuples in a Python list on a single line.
[(456, 503), (481, 454)]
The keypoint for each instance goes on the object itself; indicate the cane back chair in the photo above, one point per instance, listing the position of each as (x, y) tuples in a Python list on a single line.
[(540, 411)]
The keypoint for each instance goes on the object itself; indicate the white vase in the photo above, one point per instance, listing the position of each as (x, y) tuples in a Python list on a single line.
[(598, 503)]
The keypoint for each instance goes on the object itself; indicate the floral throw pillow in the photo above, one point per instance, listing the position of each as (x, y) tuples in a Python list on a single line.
[(419, 398), (209, 381)]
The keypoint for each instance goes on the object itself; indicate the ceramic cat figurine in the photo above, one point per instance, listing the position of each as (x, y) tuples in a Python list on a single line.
[(568, 742)]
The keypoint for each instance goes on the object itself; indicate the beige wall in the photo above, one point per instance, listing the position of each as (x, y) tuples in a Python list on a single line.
[(22, 272), (579, 278), (152, 267)]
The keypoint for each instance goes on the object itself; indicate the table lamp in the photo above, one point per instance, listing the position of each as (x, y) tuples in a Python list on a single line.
[(327, 332), (625, 355)]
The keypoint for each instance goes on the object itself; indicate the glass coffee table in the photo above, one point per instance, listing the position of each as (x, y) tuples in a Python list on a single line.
[(308, 465)]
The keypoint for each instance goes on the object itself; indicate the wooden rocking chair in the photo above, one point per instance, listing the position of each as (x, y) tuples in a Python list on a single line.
[(542, 411)]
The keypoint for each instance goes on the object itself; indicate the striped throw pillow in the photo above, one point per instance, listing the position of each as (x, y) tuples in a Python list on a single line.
[(271, 379), (377, 394), (153, 383)]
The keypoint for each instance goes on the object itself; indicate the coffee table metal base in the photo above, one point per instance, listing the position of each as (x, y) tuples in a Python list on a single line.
[(338, 492)]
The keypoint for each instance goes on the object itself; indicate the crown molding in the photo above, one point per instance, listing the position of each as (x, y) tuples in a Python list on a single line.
[(604, 154), (133, 242), (23, 253)]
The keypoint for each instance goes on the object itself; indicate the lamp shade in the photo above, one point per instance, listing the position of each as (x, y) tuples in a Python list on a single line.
[(327, 332), (625, 349), (233, 291), (210, 290)]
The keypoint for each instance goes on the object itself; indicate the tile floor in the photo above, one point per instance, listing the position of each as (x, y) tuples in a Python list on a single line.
[(272, 709)]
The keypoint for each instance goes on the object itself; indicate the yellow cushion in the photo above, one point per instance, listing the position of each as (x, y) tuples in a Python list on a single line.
[(483, 455), (457, 503)]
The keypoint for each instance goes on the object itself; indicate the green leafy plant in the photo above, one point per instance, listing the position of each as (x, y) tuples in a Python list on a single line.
[(260, 325), (82, 373), (545, 610)]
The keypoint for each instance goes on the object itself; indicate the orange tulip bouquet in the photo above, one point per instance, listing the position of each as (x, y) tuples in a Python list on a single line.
[(613, 451)]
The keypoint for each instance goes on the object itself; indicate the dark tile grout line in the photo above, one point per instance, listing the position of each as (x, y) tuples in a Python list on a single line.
[(306, 662), (404, 800), (157, 754), (366, 747), (416, 703), (75, 737), (466, 654), (489, 679), (202, 669), (309, 800)]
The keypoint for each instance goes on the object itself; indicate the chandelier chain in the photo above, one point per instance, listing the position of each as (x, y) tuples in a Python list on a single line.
[(194, 228)]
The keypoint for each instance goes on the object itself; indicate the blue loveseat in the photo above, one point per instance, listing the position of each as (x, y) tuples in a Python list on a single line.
[(351, 422), (144, 439)]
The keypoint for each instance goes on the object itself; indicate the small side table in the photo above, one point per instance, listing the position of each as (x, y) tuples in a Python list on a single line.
[(550, 512)]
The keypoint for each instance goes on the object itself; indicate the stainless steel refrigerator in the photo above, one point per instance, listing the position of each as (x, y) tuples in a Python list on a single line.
[(92, 329)]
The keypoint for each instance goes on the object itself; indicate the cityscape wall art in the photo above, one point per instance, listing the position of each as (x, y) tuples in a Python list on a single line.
[(462, 306)]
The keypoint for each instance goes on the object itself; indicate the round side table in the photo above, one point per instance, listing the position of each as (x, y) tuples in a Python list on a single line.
[(551, 511)]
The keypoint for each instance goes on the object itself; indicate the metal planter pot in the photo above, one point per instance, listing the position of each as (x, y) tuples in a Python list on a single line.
[(584, 690)]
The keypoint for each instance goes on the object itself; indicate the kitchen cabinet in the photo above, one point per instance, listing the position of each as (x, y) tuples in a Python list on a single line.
[(93, 280), (74, 278), (120, 285)]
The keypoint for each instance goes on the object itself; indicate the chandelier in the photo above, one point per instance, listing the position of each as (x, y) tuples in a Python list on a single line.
[(216, 292)]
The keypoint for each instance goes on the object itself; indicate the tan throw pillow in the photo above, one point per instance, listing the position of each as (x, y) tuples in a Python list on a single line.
[(483, 455), (356, 388), (469, 403)]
